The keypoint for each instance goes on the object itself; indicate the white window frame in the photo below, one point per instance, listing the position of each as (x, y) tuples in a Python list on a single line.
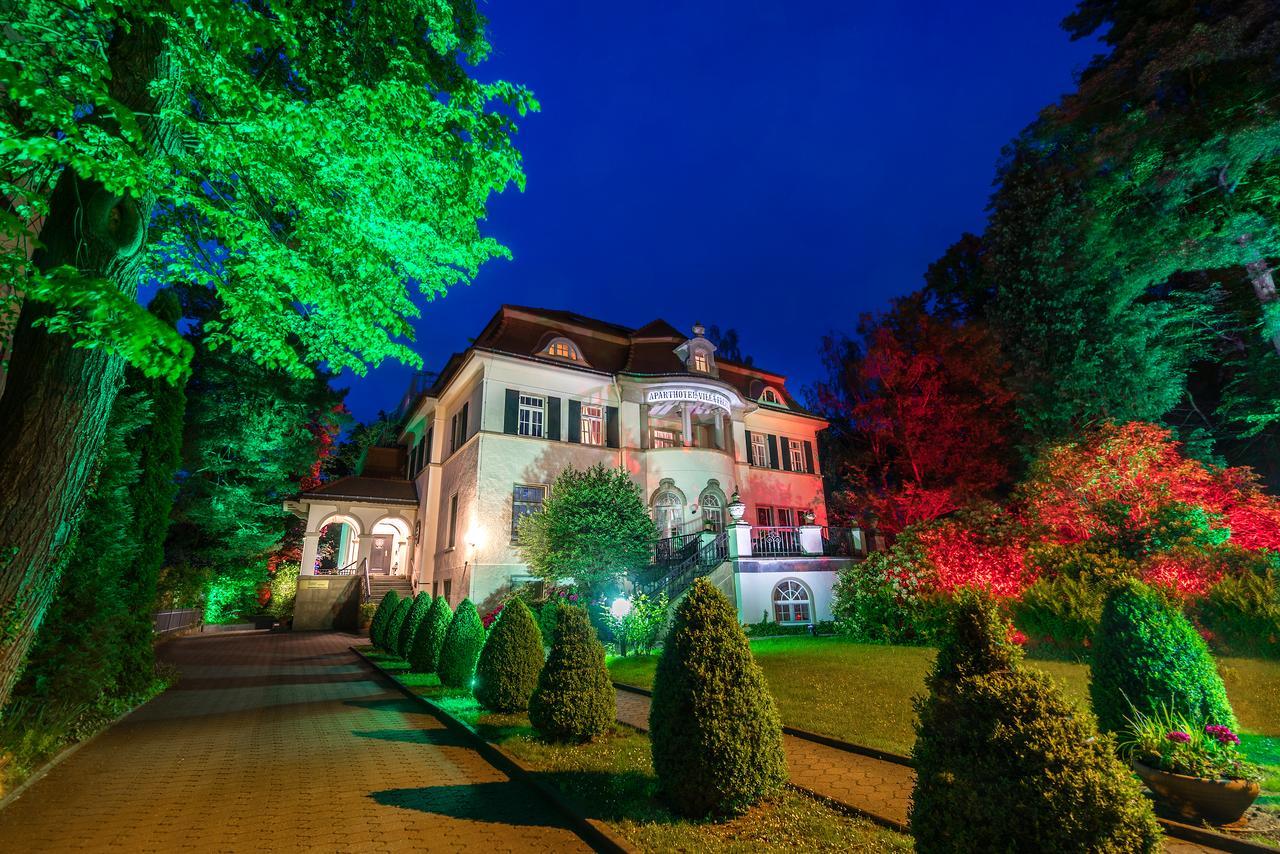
[(532, 418), (785, 602), (514, 519), (712, 511), (592, 427), (770, 395), (454, 512), (797, 455), (669, 441), (701, 361), (571, 352), (759, 451)]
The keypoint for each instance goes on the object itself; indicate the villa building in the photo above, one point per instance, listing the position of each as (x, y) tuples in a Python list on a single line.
[(540, 390)]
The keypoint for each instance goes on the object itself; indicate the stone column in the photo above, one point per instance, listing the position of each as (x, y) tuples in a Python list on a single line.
[(688, 426), (365, 550), (720, 430), (811, 539), (310, 545), (739, 540)]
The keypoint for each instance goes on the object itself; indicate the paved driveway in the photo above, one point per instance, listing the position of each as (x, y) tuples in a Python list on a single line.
[(278, 742)]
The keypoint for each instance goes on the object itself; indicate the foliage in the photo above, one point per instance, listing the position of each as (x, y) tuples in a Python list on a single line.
[(921, 421), (507, 672), (1167, 741), (1147, 655), (1060, 613), (284, 590), (1005, 762), (463, 642), (424, 655), (377, 629), (642, 627), (716, 734), (574, 700), (412, 622), (1244, 612), (395, 623), (593, 527), (548, 610), (884, 599)]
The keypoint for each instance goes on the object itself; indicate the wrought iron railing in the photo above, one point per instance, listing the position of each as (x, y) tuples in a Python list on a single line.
[(700, 560), (672, 550), (775, 542), (176, 621)]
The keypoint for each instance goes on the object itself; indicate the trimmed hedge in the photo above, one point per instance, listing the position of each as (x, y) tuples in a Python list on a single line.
[(462, 644), (424, 655), (510, 662), (574, 700), (715, 732), (1243, 611), (1146, 657), (380, 617), (1005, 763), (421, 605), (1061, 614), (391, 634)]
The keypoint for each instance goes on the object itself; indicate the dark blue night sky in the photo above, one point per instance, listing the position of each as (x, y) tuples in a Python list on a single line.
[(777, 167)]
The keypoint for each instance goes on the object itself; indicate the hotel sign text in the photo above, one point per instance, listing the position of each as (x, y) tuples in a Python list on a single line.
[(689, 395)]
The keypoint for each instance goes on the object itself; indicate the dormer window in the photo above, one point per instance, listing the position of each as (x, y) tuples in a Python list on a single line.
[(563, 348), (700, 362), (771, 396)]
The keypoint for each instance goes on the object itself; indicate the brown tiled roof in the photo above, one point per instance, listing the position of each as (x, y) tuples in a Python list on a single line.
[(606, 347), (377, 490)]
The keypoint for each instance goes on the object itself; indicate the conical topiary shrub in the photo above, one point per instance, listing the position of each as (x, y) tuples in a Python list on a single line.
[(574, 700), (377, 628), (714, 728), (424, 655), (1149, 655), (391, 634), (421, 605), (1005, 763), (462, 644), (511, 660)]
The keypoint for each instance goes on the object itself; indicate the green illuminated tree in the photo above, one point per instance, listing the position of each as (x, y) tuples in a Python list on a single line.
[(421, 607), (314, 162), (460, 651), (511, 660), (593, 527), (382, 616), (424, 656)]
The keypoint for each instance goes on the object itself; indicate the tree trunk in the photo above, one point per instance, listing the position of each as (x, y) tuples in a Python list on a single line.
[(1264, 287), (58, 398)]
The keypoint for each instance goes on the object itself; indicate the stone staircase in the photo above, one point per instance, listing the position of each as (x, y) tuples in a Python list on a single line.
[(380, 584)]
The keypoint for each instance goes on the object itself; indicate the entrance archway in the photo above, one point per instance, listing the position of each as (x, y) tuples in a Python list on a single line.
[(389, 552), (339, 544)]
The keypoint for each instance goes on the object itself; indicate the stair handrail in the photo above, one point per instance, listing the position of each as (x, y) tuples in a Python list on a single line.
[(364, 570)]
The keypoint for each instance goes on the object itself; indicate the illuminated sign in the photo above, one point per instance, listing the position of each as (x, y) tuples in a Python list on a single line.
[(669, 394)]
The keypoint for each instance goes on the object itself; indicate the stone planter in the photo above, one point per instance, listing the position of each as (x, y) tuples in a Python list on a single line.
[(1216, 801)]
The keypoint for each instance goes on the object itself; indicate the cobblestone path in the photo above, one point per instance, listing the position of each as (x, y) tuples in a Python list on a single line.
[(278, 742)]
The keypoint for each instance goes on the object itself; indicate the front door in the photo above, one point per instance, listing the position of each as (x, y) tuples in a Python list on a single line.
[(380, 557)]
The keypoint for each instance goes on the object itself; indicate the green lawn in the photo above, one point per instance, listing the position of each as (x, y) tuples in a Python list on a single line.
[(612, 780), (862, 692)]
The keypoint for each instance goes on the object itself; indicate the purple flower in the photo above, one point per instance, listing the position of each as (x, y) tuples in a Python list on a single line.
[(1178, 736), (1222, 734), (573, 597)]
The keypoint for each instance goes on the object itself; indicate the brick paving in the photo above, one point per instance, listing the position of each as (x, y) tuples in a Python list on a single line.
[(864, 783), (279, 742)]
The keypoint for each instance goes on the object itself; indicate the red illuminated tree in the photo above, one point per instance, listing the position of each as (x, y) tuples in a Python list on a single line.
[(922, 423)]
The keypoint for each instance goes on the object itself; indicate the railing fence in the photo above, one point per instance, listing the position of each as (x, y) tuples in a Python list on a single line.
[(176, 621)]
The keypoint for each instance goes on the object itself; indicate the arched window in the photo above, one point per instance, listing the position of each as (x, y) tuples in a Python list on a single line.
[(712, 513), (563, 348), (791, 602), (771, 396), (700, 362), (667, 509)]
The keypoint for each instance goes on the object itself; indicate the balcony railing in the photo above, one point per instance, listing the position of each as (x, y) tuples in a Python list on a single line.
[(775, 542), (843, 542)]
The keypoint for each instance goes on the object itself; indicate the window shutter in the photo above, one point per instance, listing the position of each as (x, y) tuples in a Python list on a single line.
[(750, 459), (511, 420), (575, 420), (808, 458), (553, 419), (784, 446), (773, 451), (426, 449), (453, 433), (611, 427), (462, 424)]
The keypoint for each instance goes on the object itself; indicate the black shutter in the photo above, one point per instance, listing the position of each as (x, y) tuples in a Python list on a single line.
[(750, 458), (808, 458), (453, 433), (575, 420), (611, 427), (462, 424), (784, 455), (425, 459), (511, 421), (773, 451), (553, 419)]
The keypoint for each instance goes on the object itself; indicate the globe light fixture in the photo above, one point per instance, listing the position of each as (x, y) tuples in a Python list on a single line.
[(620, 608)]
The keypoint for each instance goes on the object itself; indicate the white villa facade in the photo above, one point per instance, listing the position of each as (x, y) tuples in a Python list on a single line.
[(540, 390)]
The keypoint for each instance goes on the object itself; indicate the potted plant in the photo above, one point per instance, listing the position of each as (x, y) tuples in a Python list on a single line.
[(1197, 770)]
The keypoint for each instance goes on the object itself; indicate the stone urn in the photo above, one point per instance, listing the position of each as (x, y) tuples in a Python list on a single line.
[(736, 508), (1217, 801)]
